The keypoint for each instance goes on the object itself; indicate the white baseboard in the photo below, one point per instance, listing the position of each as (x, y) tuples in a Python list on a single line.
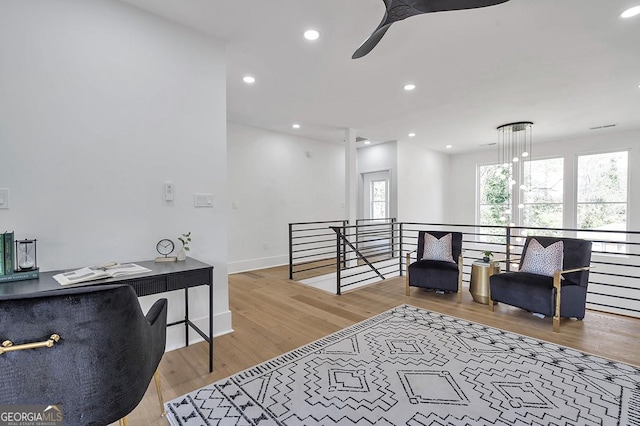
[(253, 264)]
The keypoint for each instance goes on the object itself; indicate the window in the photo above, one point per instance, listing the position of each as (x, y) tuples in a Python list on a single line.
[(495, 197), (540, 192), (602, 191), (536, 199), (544, 194), (378, 199), (495, 201), (602, 199)]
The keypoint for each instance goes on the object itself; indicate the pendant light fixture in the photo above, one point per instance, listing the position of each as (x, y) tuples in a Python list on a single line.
[(514, 154)]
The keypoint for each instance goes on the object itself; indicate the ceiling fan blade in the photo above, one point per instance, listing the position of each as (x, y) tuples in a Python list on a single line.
[(430, 6), (398, 10), (371, 42)]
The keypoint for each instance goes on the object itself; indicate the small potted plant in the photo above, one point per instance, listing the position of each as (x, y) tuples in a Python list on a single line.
[(185, 239), (487, 254)]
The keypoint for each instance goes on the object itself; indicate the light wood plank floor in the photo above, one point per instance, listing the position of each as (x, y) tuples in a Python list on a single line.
[(272, 315)]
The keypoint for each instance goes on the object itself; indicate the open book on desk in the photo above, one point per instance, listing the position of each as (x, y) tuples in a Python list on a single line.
[(109, 270)]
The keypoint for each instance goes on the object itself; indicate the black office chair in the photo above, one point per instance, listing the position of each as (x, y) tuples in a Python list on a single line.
[(560, 293), (441, 270), (89, 351)]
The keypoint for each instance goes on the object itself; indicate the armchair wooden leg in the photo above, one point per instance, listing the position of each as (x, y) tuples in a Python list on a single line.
[(156, 377), (123, 421), (491, 305)]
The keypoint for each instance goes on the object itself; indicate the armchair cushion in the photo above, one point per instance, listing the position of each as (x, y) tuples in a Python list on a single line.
[(543, 260), (434, 274), (438, 249), (525, 290)]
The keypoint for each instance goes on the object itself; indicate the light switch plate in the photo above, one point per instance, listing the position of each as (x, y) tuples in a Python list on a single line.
[(4, 198), (203, 199), (168, 191)]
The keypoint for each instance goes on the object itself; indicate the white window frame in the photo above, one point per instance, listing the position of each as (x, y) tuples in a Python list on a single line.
[(564, 197), (373, 202), (621, 248)]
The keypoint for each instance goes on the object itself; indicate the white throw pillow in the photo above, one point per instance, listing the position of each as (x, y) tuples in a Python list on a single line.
[(437, 249), (543, 261)]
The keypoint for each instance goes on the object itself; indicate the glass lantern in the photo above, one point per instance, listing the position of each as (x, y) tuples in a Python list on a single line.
[(26, 257)]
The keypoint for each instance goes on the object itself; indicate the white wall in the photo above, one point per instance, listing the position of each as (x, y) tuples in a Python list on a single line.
[(100, 104), (377, 158), (461, 188), (272, 182), (422, 176)]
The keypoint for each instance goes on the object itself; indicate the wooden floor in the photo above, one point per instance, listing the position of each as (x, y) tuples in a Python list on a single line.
[(272, 315)]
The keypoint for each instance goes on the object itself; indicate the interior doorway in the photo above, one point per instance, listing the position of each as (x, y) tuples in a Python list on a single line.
[(375, 239), (376, 188)]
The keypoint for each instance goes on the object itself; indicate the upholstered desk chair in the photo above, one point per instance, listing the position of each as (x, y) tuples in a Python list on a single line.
[(438, 264), (552, 279), (95, 351)]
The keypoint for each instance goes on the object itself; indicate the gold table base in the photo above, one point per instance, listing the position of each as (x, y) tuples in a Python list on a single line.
[(479, 284)]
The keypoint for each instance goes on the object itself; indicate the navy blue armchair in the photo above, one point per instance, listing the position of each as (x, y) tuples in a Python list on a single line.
[(437, 270), (561, 295), (89, 351)]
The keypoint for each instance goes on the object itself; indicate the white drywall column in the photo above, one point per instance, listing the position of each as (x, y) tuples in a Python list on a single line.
[(351, 182), (351, 176)]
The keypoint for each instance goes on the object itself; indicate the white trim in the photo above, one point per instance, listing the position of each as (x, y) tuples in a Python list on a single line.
[(253, 264), (576, 157)]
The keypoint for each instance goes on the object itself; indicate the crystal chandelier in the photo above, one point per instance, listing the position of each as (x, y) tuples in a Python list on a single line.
[(514, 154)]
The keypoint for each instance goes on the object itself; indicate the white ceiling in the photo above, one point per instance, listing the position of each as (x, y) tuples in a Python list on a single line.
[(566, 65)]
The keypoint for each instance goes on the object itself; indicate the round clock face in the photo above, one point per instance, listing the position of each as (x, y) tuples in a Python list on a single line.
[(165, 246)]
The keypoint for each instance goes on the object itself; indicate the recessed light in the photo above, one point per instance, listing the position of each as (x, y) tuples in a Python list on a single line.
[(249, 79), (311, 35), (633, 11), (409, 87), (295, 126), (449, 146), (411, 135), (367, 141)]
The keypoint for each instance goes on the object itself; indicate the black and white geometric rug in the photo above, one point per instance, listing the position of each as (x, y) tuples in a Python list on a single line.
[(409, 366)]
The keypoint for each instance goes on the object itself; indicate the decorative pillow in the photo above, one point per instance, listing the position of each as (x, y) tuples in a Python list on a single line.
[(437, 249), (543, 261)]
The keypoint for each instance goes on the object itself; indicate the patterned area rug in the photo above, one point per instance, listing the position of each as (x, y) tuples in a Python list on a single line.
[(409, 366)]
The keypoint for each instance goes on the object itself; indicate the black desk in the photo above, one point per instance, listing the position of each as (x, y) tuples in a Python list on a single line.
[(164, 277)]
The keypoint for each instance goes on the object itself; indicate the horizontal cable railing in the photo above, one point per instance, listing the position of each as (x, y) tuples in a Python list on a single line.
[(614, 281), (312, 249), (370, 254)]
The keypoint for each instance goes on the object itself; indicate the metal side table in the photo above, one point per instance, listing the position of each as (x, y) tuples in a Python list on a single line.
[(479, 284)]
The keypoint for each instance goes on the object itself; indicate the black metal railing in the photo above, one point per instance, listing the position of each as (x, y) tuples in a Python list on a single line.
[(376, 234), (369, 252), (312, 249), (375, 258)]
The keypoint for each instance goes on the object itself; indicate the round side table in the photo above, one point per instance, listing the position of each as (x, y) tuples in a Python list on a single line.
[(479, 284)]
